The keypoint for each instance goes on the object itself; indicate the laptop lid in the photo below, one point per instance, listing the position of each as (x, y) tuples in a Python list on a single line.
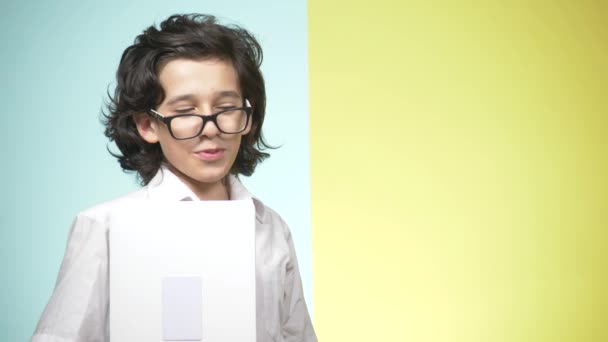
[(182, 271)]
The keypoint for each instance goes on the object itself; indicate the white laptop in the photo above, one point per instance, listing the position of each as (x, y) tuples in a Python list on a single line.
[(182, 271)]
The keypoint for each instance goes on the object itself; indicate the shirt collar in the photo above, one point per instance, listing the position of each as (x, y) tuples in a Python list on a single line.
[(165, 185)]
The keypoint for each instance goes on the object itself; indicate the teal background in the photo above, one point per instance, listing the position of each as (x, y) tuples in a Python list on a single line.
[(58, 59)]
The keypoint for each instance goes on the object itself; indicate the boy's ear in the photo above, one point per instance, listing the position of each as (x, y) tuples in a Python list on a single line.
[(146, 127), (250, 122)]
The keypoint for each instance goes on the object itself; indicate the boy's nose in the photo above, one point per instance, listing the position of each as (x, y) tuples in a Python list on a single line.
[(210, 129)]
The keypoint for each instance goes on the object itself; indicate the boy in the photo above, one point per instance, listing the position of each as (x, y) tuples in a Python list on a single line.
[(186, 115)]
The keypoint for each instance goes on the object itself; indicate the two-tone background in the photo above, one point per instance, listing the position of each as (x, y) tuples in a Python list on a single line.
[(443, 163)]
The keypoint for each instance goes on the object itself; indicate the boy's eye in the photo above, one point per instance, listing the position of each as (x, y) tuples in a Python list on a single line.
[(226, 107), (184, 110)]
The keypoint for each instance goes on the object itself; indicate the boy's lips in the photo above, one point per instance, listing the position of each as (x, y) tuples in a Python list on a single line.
[(210, 154)]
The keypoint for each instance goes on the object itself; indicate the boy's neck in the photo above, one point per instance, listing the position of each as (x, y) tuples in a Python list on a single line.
[(217, 191), (210, 192)]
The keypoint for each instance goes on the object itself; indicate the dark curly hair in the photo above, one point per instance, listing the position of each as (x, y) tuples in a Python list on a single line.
[(138, 89)]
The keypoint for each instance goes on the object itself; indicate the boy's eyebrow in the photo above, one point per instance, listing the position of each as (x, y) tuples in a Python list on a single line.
[(181, 98), (221, 94), (229, 93)]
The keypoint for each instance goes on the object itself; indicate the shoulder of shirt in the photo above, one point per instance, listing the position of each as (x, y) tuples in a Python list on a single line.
[(267, 215), (101, 210)]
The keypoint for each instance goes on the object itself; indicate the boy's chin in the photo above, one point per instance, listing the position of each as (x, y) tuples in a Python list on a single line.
[(210, 179), (210, 176)]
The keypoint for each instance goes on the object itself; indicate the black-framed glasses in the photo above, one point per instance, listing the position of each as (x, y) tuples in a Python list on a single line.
[(188, 126)]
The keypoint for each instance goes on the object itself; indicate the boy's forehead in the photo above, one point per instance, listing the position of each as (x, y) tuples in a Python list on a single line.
[(185, 69), (186, 79)]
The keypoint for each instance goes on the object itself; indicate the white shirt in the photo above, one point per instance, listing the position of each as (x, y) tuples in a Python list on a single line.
[(78, 308)]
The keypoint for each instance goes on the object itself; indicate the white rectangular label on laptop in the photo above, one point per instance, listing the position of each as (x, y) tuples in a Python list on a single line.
[(182, 309), (212, 240)]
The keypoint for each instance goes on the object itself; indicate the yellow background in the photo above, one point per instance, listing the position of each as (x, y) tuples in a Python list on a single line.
[(459, 162)]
